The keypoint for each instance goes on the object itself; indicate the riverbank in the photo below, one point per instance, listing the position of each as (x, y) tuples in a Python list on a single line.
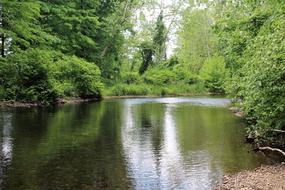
[(161, 96), (18, 104), (263, 178)]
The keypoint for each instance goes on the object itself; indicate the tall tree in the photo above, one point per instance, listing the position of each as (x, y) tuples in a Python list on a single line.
[(159, 40), (147, 53), (92, 29), (19, 26), (197, 40)]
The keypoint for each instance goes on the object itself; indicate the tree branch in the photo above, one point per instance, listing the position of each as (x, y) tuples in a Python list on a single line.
[(270, 149), (277, 131)]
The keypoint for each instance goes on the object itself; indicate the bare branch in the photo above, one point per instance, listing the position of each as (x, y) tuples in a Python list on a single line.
[(277, 131), (270, 149)]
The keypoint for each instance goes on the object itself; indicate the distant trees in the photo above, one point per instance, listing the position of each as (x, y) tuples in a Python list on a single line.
[(197, 40), (198, 46), (154, 52), (159, 40)]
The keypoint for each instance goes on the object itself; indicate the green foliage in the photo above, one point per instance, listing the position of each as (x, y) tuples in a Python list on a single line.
[(24, 76), (252, 42), (159, 40), (159, 77), (163, 75), (163, 79), (173, 61), (92, 30), (81, 35), (20, 23), (262, 84), (213, 73), (157, 90), (132, 89), (196, 39), (147, 56), (131, 78), (75, 77), (43, 76), (185, 76)]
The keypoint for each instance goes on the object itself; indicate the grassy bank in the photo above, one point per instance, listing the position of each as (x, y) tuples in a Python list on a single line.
[(153, 90)]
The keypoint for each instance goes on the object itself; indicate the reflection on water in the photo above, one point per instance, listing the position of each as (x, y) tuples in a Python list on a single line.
[(5, 144), (154, 143)]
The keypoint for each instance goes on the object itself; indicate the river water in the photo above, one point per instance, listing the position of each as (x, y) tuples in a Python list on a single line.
[(149, 143)]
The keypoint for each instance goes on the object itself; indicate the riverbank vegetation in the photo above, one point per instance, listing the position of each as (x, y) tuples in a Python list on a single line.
[(53, 50), (251, 37)]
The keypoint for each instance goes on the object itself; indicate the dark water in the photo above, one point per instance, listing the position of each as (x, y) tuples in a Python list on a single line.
[(164, 143)]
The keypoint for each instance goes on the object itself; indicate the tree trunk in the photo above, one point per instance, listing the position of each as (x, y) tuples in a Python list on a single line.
[(3, 44)]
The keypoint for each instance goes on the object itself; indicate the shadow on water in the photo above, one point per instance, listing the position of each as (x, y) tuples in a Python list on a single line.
[(154, 143)]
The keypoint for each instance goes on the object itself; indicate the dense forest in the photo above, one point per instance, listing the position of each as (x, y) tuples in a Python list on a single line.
[(88, 49)]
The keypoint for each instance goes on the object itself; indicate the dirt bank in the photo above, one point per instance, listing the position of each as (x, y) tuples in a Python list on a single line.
[(262, 178), (15, 104)]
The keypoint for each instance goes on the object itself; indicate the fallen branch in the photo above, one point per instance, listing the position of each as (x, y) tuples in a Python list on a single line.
[(270, 149), (277, 131)]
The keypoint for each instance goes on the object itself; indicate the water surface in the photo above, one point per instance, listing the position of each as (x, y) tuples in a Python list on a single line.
[(152, 143)]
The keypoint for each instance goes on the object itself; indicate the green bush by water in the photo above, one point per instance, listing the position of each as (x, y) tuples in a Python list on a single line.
[(43, 77), (24, 77), (74, 77)]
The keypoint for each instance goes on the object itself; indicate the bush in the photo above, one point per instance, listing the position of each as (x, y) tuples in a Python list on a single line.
[(213, 73), (24, 76), (43, 76), (75, 77), (124, 90), (159, 77), (260, 84), (131, 78), (185, 76)]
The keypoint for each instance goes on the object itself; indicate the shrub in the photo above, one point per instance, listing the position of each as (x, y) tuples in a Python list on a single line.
[(43, 76), (131, 78), (185, 76), (261, 81), (213, 74), (72, 76), (124, 89), (24, 76), (159, 77)]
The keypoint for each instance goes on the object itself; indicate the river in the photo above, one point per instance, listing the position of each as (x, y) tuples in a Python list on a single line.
[(143, 143)]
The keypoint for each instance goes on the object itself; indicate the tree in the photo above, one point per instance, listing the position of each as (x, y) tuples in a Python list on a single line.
[(147, 56), (197, 41), (251, 39), (159, 40), (92, 30), (20, 28)]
